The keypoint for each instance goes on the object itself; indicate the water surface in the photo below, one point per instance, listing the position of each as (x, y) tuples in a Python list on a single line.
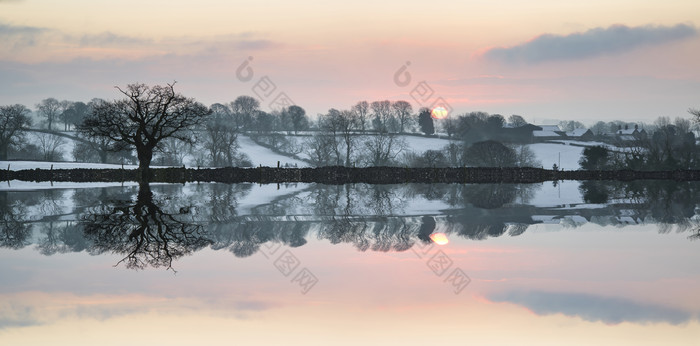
[(564, 263)]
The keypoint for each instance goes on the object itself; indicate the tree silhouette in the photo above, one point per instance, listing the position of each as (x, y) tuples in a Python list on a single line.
[(425, 121), (12, 121), (146, 117), (145, 233)]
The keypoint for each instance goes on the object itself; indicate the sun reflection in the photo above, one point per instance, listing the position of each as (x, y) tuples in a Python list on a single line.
[(439, 113), (439, 238)]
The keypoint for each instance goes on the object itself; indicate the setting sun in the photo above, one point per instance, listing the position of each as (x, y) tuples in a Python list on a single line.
[(439, 238), (439, 113)]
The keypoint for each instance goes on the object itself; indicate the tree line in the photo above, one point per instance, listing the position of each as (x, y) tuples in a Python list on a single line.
[(156, 124)]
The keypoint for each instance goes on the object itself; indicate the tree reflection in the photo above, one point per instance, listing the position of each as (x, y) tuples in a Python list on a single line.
[(145, 232), (155, 225), (14, 231)]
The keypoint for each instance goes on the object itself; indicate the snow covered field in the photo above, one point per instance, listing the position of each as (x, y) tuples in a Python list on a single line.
[(564, 155), (260, 155)]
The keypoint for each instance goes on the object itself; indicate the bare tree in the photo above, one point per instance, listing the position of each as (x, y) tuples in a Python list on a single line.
[(382, 114), (221, 136), (50, 109), (383, 148), (244, 109), (402, 110), (73, 114), (525, 157), (50, 146), (570, 125), (516, 120), (361, 110), (489, 154), (63, 116), (320, 149), (298, 118), (331, 125), (146, 117), (347, 123), (12, 121)]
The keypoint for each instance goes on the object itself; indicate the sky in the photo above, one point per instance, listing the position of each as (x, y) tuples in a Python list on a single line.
[(542, 59)]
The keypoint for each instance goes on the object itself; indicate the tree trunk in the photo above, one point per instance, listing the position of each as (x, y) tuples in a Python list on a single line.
[(3, 152), (145, 155)]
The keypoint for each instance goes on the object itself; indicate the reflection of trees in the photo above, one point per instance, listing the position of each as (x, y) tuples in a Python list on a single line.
[(665, 202), (145, 232), (14, 231), (61, 237), (154, 225)]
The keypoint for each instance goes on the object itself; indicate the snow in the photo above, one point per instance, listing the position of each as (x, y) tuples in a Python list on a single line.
[(565, 194), (20, 165), (552, 128), (577, 132), (261, 194), (18, 185), (419, 145), (260, 155), (550, 153), (545, 134)]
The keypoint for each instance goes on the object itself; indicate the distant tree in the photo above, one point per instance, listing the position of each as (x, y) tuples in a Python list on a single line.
[(516, 121), (221, 136), (320, 149), (50, 109), (244, 110), (172, 152), (13, 120), (570, 125), (495, 122), (74, 113), (100, 149), (425, 121), (594, 158), (146, 117), (361, 110), (382, 115), (525, 157), (264, 122), (383, 148), (600, 128), (63, 116), (449, 125), (339, 126), (50, 146), (430, 158), (298, 118), (402, 111), (489, 154), (454, 154), (695, 113)]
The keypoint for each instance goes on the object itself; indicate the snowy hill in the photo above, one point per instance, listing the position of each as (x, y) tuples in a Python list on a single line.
[(565, 154)]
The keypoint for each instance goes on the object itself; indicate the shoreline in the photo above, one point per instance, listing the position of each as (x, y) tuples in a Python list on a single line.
[(340, 175)]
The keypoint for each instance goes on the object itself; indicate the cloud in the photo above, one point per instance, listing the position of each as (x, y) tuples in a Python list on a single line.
[(594, 308), (255, 44), (109, 39), (20, 35), (591, 43)]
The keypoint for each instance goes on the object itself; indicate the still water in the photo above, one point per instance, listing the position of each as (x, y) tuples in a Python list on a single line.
[(304, 264)]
